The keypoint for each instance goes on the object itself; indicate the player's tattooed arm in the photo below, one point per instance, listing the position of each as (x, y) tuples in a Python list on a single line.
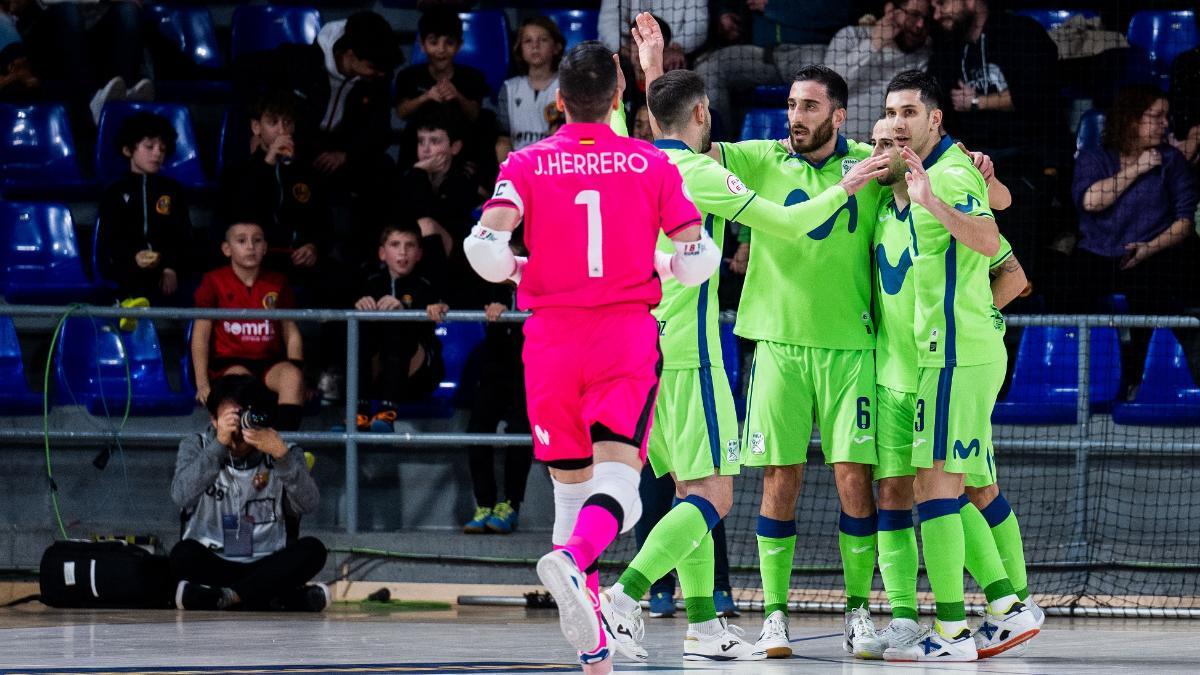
[(1008, 281), (978, 233)]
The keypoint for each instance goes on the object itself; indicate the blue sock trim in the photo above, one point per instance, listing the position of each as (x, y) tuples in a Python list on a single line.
[(936, 508), (891, 520), (858, 527), (776, 529), (963, 500), (711, 518), (998, 511)]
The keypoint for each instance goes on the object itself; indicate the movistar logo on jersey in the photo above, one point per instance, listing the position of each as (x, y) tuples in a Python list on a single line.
[(969, 206), (799, 196), (892, 276), (966, 451)]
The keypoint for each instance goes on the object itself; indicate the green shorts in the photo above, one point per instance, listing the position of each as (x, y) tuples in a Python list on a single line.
[(895, 420), (695, 432), (953, 417), (791, 387)]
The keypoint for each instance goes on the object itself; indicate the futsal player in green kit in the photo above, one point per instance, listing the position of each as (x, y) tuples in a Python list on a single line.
[(896, 379), (695, 435), (961, 361)]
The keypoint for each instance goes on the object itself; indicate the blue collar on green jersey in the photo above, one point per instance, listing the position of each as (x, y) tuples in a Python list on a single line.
[(842, 147), (938, 150), (901, 214), (671, 144)]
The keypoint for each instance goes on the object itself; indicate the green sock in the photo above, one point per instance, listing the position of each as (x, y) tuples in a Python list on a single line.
[(856, 539), (671, 540), (776, 548), (982, 559), (696, 573), (943, 546), (1007, 534), (898, 561)]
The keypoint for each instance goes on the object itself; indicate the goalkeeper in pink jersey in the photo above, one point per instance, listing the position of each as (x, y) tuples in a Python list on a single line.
[(593, 204)]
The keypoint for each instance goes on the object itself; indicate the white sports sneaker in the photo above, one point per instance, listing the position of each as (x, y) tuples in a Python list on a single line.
[(576, 604), (899, 633), (860, 633), (931, 646), (1001, 632), (1038, 613), (774, 637), (625, 630), (727, 645)]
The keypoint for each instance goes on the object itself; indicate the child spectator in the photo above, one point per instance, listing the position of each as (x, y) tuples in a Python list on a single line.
[(639, 125), (270, 350), (143, 217), (527, 100), (440, 80), (401, 361)]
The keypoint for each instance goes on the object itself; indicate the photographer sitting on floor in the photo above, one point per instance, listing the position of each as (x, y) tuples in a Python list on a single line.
[(242, 490)]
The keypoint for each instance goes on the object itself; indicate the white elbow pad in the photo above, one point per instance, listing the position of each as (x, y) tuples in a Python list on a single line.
[(662, 265), (488, 252), (695, 261)]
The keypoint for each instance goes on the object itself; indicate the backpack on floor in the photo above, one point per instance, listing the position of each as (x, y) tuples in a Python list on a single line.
[(104, 574)]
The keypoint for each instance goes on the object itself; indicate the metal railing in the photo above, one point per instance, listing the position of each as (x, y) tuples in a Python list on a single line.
[(1079, 442)]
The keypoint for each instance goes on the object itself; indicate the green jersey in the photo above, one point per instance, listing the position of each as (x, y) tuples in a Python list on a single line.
[(895, 299), (956, 323), (813, 290)]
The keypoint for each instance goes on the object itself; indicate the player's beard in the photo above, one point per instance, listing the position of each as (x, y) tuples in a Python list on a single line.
[(816, 137), (895, 174), (706, 139)]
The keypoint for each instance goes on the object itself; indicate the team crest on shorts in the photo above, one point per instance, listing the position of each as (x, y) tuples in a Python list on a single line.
[(732, 450), (758, 443), (847, 164)]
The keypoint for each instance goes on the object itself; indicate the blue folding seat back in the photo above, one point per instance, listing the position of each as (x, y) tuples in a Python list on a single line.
[(190, 29), (1168, 395), (1091, 126), (1045, 383), (577, 25), (151, 386), (39, 260), (234, 145), (763, 123), (37, 149), (459, 340), (15, 397), (485, 45), (183, 165), (260, 28), (1157, 37), (1053, 18), (770, 95)]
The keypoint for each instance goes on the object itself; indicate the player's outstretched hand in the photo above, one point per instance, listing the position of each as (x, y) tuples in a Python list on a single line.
[(919, 189), (649, 40), (863, 172)]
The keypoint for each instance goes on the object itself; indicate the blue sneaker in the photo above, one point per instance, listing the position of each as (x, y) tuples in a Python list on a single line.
[(478, 523), (662, 605), (723, 603), (503, 519)]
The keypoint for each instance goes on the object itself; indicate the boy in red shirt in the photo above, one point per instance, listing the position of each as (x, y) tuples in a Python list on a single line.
[(269, 350)]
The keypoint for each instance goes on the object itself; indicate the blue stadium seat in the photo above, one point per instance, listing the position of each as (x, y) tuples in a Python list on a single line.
[(37, 150), (183, 165), (459, 341), (763, 123), (771, 95), (89, 369), (485, 45), (1045, 380), (97, 277), (39, 261), (15, 397), (190, 29), (1168, 395), (1053, 18), (1157, 37), (259, 28), (1091, 125), (577, 25), (234, 146)]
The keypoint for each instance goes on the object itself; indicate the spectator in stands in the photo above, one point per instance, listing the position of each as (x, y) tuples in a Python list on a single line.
[(527, 100), (401, 362), (1185, 103), (869, 56), (783, 37), (1137, 198), (440, 80), (17, 79), (690, 18), (143, 217), (242, 490), (998, 73), (270, 350), (639, 125)]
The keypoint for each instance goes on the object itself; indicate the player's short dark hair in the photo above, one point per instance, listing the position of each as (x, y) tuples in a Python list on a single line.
[(401, 227), (835, 85), (244, 390), (672, 96), (663, 28), (445, 116), (372, 39), (440, 21), (587, 79), (920, 81), (142, 125), (278, 103)]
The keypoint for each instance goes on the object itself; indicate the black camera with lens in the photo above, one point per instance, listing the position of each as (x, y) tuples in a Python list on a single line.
[(254, 419)]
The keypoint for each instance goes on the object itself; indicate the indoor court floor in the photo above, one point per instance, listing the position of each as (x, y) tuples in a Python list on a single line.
[(34, 639)]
